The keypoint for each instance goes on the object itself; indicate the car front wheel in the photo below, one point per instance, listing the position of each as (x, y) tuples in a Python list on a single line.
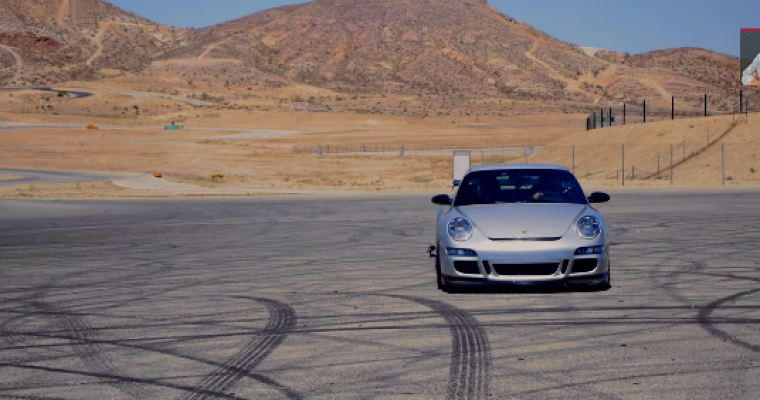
[(443, 285)]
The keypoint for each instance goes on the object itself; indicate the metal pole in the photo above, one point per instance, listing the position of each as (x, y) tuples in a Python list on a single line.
[(573, 159), (671, 165), (741, 101), (723, 163), (623, 153), (645, 111), (673, 107), (601, 112), (594, 120), (705, 104), (623, 113)]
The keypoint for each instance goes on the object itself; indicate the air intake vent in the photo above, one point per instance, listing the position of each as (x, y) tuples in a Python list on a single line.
[(467, 267), (584, 265), (538, 239), (526, 269)]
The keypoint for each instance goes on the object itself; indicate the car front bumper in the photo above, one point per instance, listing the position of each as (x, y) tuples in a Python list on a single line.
[(526, 262)]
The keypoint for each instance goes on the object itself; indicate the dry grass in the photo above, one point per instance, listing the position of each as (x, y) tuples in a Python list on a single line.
[(598, 153), (93, 190), (184, 156)]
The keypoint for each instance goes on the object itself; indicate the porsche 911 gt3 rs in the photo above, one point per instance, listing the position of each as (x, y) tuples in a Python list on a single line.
[(521, 224)]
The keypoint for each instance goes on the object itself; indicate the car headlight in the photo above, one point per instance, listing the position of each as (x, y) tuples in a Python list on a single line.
[(460, 229), (588, 227)]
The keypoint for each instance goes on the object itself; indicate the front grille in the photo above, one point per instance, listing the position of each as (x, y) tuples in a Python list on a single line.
[(584, 265), (467, 267), (526, 269), (537, 239)]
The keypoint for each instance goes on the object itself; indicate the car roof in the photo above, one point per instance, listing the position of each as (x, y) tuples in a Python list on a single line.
[(497, 167)]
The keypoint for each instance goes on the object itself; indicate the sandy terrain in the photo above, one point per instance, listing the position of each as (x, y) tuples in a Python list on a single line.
[(238, 146), (697, 145), (102, 190), (8, 177)]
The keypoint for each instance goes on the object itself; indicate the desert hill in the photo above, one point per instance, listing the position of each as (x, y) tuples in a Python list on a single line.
[(447, 54), (61, 40)]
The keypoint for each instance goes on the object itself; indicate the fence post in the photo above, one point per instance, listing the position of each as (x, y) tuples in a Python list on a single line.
[(573, 159), (723, 163), (741, 101), (673, 107), (623, 153), (705, 104), (595, 120), (623, 113), (601, 112), (671, 165), (633, 172), (645, 111), (610, 116)]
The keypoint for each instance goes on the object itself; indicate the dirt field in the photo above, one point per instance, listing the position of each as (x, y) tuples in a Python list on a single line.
[(697, 145), (192, 155), (93, 190)]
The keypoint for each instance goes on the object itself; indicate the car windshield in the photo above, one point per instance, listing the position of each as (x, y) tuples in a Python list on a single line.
[(519, 186)]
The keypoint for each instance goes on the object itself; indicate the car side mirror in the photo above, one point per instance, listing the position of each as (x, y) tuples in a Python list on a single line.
[(598, 197), (442, 200)]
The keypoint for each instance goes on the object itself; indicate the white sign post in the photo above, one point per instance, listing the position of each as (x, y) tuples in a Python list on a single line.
[(461, 165)]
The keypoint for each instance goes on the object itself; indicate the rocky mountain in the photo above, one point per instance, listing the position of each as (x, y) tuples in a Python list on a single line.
[(401, 46), (66, 39), (452, 49)]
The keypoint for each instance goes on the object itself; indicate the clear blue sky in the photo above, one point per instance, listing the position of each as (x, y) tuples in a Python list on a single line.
[(635, 26)]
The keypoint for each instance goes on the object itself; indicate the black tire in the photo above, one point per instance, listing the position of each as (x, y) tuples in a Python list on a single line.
[(608, 284), (439, 279)]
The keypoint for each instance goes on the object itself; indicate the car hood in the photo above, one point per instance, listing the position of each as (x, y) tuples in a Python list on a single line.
[(523, 221)]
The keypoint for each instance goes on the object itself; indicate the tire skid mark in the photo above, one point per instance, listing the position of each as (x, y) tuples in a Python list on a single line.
[(470, 353), (704, 321), (282, 320), (86, 347)]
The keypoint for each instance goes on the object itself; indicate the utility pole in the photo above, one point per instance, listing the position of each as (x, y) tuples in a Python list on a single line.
[(723, 163), (573, 159), (623, 154), (671, 165)]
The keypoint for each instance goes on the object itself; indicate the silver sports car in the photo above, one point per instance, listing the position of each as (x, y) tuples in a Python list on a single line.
[(521, 224)]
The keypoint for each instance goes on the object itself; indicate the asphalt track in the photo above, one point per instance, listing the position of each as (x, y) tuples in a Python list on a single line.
[(307, 298), (32, 176)]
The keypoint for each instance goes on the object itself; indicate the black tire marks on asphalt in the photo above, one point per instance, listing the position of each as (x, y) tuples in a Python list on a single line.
[(282, 320), (704, 320), (470, 350), (84, 344)]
